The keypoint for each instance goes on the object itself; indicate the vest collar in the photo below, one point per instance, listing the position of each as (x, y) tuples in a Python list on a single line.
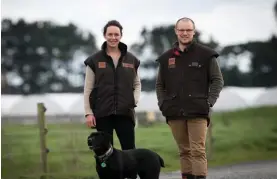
[(122, 47), (189, 46)]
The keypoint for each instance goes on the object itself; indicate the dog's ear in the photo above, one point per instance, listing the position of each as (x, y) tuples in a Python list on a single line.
[(94, 135)]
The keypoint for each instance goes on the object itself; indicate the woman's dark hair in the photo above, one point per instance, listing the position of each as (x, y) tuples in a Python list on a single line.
[(112, 23)]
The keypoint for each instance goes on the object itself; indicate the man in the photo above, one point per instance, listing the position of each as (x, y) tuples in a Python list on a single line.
[(188, 84)]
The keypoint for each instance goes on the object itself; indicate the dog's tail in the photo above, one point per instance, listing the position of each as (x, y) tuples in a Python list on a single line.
[(161, 161)]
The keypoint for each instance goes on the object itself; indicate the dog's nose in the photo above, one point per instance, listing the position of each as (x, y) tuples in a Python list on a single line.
[(89, 140)]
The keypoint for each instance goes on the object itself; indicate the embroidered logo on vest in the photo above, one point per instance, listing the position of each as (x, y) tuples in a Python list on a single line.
[(171, 63), (128, 65), (101, 64)]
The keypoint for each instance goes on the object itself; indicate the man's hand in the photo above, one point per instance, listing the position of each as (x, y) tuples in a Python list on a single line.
[(210, 105), (90, 120)]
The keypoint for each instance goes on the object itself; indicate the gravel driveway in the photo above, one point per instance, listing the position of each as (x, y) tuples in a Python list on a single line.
[(255, 170)]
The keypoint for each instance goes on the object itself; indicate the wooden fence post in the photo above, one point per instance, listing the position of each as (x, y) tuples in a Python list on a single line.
[(43, 131)]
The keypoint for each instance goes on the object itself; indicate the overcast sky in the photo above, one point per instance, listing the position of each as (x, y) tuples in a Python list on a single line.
[(229, 22)]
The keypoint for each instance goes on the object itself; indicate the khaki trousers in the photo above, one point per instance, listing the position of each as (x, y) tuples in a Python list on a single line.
[(190, 136)]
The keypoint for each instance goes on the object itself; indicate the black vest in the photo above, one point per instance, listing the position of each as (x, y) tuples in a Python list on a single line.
[(186, 80), (113, 91)]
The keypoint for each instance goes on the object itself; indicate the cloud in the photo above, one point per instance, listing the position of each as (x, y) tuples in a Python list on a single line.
[(228, 22), (237, 23)]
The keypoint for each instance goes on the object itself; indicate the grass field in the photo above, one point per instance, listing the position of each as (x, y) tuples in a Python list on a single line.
[(238, 137)]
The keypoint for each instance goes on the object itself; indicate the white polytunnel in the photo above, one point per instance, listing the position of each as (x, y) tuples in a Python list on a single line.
[(229, 101), (7, 101), (269, 97), (65, 100), (77, 108), (148, 102), (27, 106)]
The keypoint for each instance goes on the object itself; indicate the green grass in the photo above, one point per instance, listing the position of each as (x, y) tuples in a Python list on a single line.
[(242, 136)]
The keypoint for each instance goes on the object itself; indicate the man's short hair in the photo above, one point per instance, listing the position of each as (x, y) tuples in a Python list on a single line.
[(185, 19)]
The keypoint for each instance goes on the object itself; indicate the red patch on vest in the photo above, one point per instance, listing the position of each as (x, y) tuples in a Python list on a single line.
[(101, 64), (171, 62), (128, 65)]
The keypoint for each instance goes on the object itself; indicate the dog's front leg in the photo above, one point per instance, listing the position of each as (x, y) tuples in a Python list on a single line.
[(121, 169), (102, 173)]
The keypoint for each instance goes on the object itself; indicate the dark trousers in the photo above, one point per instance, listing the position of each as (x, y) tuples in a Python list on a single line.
[(123, 126)]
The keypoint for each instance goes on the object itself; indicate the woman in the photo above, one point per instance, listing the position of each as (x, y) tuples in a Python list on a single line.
[(112, 87)]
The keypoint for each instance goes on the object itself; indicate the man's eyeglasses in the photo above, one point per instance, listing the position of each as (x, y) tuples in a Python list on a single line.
[(185, 30)]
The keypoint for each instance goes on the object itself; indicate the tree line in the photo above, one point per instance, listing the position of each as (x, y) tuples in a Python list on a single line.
[(39, 57)]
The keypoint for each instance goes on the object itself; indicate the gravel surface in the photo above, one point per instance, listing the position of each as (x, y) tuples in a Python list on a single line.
[(255, 170)]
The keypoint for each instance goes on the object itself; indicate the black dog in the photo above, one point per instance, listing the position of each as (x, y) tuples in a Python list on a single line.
[(112, 163)]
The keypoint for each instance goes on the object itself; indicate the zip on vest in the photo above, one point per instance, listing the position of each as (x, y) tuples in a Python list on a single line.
[(115, 82)]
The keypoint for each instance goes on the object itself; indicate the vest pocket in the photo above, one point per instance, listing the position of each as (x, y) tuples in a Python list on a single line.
[(169, 106), (131, 100), (125, 100), (93, 98), (196, 70), (134, 101), (198, 105)]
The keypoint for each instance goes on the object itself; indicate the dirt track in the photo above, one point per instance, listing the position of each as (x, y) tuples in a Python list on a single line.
[(255, 170)]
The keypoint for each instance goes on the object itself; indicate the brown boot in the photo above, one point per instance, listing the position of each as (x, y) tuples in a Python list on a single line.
[(188, 176)]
